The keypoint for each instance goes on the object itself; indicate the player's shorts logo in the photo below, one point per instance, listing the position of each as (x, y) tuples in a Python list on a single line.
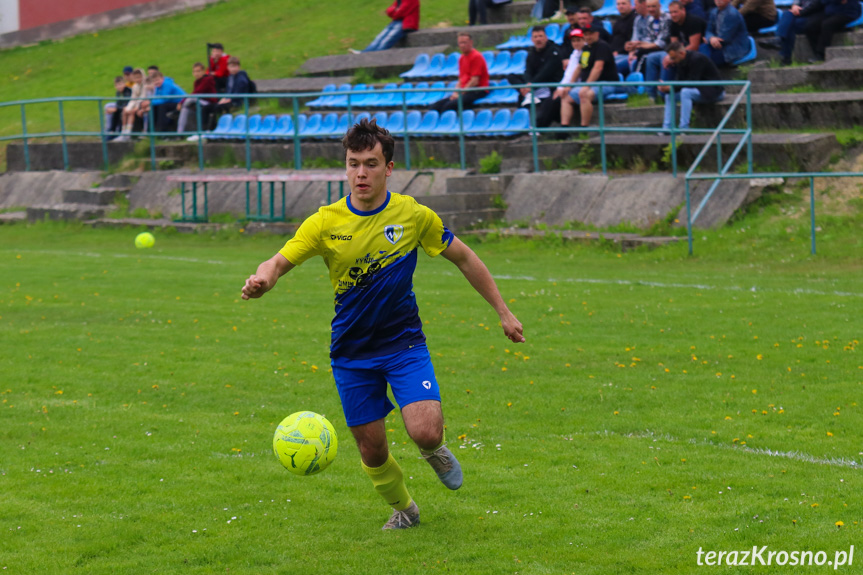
[(427, 384), (394, 233)]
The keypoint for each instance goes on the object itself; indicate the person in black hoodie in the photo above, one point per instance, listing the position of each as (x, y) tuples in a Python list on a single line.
[(691, 67), (544, 66), (238, 83)]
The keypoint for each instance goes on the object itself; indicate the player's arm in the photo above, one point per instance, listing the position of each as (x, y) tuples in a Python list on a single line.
[(480, 278), (266, 276)]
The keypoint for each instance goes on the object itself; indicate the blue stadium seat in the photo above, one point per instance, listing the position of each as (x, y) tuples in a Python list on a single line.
[(437, 91), (519, 122), (356, 96), (435, 66), (266, 127), (481, 123), (238, 126), (446, 123), (619, 96), (489, 99), (488, 56), (554, 33), (284, 127), (421, 64), (607, 25), (609, 8), (514, 42), (380, 119), (635, 77), (342, 125), (769, 30), (312, 127), (254, 125), (222, 127), (396, 123), (340, 98), (500, 65), (784, 3), (858, 21), (517, 63), (413, 98), (450, 67), (750, 56), (412, 121), (359, 117), (428, 123), (328, 126), (467, 118), (322, 100), (499, 123), (506, 95)]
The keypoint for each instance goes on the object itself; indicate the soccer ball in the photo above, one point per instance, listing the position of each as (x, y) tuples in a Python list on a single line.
[(305, 443)]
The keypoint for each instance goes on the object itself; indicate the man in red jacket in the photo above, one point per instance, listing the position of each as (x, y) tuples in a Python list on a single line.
[(405, 16), (218, 66), (204, 84)]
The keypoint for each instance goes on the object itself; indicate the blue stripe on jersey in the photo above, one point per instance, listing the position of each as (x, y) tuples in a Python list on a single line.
[(379, 317)]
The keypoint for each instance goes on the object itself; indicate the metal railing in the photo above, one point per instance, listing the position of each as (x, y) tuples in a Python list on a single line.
[(602, 129)]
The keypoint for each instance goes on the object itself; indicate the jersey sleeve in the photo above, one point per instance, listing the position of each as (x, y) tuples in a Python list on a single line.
[(306, 242), (434, 237)]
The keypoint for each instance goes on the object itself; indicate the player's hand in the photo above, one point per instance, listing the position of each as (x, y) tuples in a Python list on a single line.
[(255, 287), (512, 328)]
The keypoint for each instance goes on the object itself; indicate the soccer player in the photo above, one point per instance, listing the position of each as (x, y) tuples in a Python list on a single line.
[(369, 242)]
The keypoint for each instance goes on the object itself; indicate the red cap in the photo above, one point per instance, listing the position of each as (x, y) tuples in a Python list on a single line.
[(576, 32)]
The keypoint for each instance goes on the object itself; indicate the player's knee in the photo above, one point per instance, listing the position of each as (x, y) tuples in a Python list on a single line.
[(427, 437)]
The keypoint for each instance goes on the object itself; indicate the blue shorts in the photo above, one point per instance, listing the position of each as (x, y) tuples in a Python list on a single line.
[(362, 383)]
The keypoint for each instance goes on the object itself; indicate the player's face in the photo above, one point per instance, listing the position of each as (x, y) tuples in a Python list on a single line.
[(367, 173)]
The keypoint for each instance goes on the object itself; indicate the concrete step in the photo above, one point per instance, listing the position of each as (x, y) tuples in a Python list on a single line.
[(484, 37), (99, 196), (460, 202), (490, 184), (837, 74), (12, 217), (458, 221), (803, 51), (65, 211), (303, 84), (379, 64), (790, 111), (840, 52), (510, 13)]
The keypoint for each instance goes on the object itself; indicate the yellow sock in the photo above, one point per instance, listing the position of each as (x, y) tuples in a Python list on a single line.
[(389, 482)]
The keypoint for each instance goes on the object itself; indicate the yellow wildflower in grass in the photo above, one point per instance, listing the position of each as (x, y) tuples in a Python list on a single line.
[(839, 524)]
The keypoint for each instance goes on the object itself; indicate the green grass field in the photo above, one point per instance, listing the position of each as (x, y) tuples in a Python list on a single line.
[(661, 404)]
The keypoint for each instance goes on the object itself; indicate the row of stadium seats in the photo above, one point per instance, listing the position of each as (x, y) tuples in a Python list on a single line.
[(553, 31), (484, 123), (364, 97), (501, 63)]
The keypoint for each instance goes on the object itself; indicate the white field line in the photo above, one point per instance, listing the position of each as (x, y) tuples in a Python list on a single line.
[(794, 455), (136, 256)]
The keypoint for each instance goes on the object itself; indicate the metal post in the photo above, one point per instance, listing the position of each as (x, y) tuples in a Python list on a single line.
[(206, 203), (298, 159), (200, 135), (673, 136), (63, 136), (329, 192), (195, 201), (183, 200), (24, 135), (718, 152), (260, 200), (749, 126), (688, 218), (248, 206), (102, 135), (248, 141), (533, 134), (150, 123), (461, 153), (602, 133), (812, 210), (341, 189)]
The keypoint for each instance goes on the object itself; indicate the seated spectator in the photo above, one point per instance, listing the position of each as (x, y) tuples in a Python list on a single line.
[(127, 76), (238, 83), (695, 8), (598, 66), (114, 110), (476, 12), (544, 66), (690, 66), (130, 110), (621, 33), (204, 84), (686, 29), (727, 39), (565, 48), (585, 21), (218, 67), (472, 73), (821, 24), (792, 22), (570, 76), (757, 14), (165, 101), (405, 15), (650, 34), (152, 71)]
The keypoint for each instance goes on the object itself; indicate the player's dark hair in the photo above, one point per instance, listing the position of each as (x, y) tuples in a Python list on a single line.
[(365, 135)]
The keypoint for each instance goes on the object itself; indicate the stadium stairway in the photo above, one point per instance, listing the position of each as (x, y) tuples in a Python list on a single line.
[(379, 64), (79, 204), (469, 200)]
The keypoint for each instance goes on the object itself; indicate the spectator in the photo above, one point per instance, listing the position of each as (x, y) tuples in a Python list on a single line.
[(544, 65), (476, 12), (599, 67), (204, 84), (238, 83), (218, 66), (127, 76), (152, 71), (114, 110), (472, 73), (695, 8), (822, 24), (650, 34), (565, 48), (727, 39), (405, 15), (686, 29), (757, 14), (544, 9), (585, 21), (690, 66), (165, 101), (130, 110), (570, 76), (621, 33), (792, 22)]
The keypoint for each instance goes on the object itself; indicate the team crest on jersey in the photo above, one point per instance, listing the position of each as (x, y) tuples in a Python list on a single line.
[(394, 233)]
